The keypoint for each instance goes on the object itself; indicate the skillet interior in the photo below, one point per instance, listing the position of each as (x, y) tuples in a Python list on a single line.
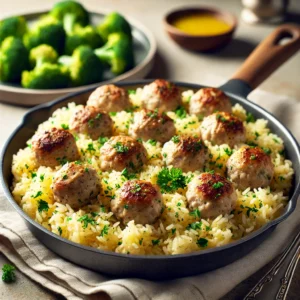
[(155, 267)]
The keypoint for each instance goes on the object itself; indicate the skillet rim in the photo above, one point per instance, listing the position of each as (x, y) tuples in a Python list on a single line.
[(292, 202)]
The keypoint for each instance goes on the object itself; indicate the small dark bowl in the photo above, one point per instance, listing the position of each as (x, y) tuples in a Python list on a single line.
[(200, 42)]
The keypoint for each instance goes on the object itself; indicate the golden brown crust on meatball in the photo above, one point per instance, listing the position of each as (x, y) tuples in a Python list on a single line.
[(162, 95), (109, 98), (54, 146), (76, 185), (209, 100), (250, 167), (138, 200), (186, 152), (212, 194), (148, 124), (122, 152), (92, 121), (223, 128)]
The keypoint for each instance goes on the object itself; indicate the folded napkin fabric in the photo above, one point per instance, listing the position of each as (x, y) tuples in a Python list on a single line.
[(74, 282)]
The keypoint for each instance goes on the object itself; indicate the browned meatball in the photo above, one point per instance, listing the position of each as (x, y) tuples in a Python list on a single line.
[(149, 125), (250, 167), (185, 152), (223, 128), (109, 98), (92, 121), (138, 200), (75, 185), (209, 100), (161, 95), (54, 147), (121, 152), (212, 194)]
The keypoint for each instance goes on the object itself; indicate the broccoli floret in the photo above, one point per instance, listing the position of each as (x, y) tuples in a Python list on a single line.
[(46, 76), (82, 36), (117, 52), (13, 59), (13, 26), (70, 13), (42, 54), (46, 31), (8, 274), (84, 65), (113, 23)]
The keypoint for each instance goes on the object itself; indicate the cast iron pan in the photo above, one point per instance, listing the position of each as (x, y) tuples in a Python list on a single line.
[(262, 62)]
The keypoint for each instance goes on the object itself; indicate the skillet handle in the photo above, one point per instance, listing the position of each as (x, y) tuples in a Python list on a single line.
[(265, 59)]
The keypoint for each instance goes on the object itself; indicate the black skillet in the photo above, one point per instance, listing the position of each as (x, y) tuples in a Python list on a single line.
[(268, 56)]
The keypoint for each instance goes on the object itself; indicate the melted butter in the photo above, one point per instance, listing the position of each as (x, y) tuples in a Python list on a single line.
[(201, 24)]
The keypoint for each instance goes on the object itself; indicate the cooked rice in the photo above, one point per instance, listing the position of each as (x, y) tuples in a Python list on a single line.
[(171, 234)]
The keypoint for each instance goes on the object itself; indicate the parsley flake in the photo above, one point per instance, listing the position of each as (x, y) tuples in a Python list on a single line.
[(170, 180), (202, 242)]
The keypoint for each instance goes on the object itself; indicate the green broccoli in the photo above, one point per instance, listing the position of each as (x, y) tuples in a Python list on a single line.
[(46, 76), (113, 23), (82, 36), (13, 26), (8, 274), (117, 52), (84, 65), (13, 59), (46, 73), (70, 13), (48, 31), (42, 54)]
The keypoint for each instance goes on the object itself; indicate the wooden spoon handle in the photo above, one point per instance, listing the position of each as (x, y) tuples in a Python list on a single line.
[(269, 55)]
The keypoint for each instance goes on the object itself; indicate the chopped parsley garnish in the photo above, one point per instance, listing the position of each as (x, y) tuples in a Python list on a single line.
[(175, 139), (62, 160), (250, 118), (42, 206), (131, 92), (33, 175), (64, 126), (102, 140), (173, 230), (69, 219), (217, 185), (276, 141), (141, 241), (169, 180), (91, 122), (38, 194), (8, 274), (126, 206), (98, 117), (249, 209), (120, 148), (59, 230), (155, 242), (136, 188), (104, 230), (180, 112), (153, 114), (195, 213), (112, 113), (267, 151), (252, 157), (221, 118), (195, 226), (202, 242), (127, 175), (26, 166), (90, 147), (152, 142), (42, 177), (228, 151), (86, 220), (65, 177)]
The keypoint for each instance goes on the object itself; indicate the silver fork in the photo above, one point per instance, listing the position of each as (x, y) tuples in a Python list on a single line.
[(279, 276)]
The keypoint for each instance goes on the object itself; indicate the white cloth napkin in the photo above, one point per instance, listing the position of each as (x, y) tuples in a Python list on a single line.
[(74, 282)]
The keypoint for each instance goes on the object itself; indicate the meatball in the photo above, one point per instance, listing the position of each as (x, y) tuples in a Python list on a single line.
[(121, 152), (138, 200), (185, 152), (223, 128), (161, 95), (109, 98), (149, 124), (54, 147), (209, 100), (250, 167), (212, 194), (75, 185), (92, 121)]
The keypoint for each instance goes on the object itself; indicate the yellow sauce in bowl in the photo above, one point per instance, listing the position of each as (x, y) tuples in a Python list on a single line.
[(201, 24)]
